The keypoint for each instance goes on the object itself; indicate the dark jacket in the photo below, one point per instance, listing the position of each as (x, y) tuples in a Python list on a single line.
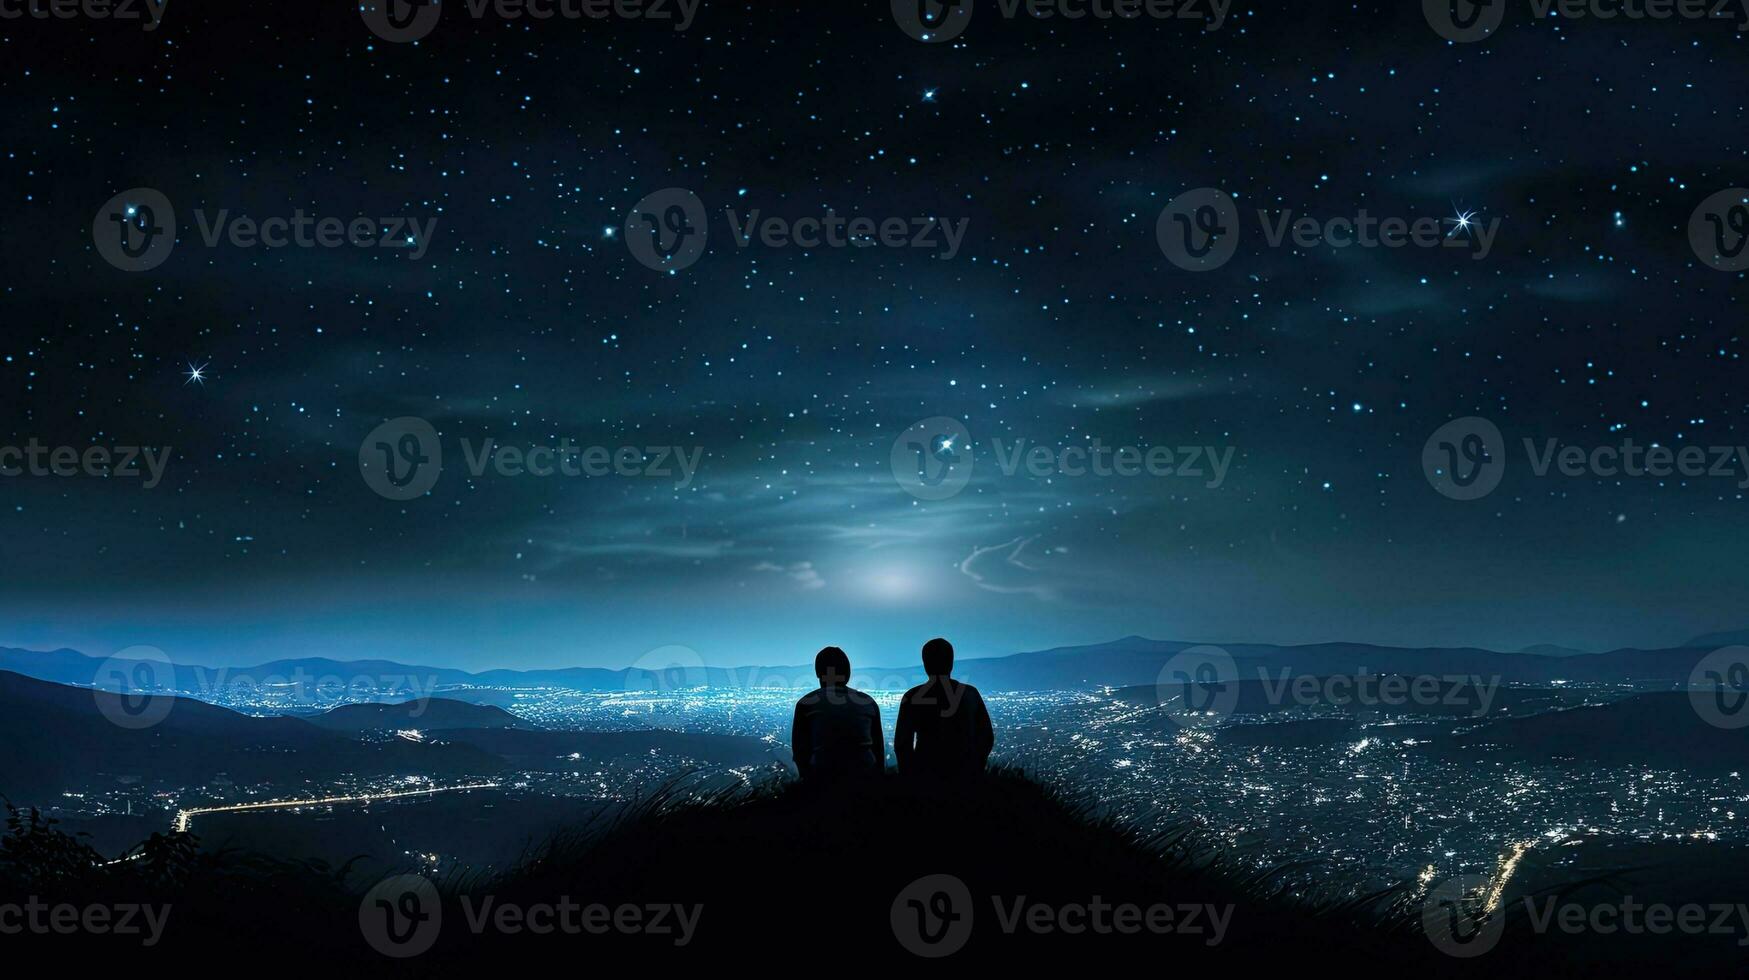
[(944, 730), (837, 732)]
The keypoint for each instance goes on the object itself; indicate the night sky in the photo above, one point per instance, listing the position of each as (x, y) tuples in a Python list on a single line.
[(527, 319)]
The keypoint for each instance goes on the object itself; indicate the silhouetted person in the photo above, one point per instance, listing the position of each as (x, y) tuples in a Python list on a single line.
[(837, 731), (944, 729)]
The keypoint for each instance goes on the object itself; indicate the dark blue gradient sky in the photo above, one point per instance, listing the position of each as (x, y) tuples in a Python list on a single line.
[(1059, 322)]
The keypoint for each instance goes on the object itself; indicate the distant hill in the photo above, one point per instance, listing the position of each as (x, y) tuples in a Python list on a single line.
[(1661, 730), (1551, 650), (428, 715), (60, 738), (1130, 661), (1729, 638)]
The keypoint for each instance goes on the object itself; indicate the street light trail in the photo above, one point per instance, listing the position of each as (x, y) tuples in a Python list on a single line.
[(183, 817)]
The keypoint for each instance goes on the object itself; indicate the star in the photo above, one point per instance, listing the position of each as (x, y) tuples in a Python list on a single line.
[(196, 375), (1461, 223)]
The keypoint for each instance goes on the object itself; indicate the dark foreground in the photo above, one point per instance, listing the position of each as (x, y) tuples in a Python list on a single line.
[(1006, 873)]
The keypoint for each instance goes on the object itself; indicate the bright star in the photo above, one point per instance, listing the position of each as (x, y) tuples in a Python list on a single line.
[(196, 375), (1461, 223)]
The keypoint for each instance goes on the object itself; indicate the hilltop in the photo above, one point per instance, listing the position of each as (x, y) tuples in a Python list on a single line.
[(840, 880)]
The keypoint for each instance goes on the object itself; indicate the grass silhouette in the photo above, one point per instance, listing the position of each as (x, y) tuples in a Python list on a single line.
[(781, 868)]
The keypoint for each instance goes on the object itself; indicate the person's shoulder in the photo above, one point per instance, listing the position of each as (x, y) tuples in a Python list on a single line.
[(858, 697), (809, 699), (968, 691), (914, 693)]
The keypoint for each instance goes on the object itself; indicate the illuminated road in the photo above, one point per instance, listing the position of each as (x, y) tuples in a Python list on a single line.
[(184, 817)]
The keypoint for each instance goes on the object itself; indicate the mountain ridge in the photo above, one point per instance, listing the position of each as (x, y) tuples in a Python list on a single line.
[(1127, 661)]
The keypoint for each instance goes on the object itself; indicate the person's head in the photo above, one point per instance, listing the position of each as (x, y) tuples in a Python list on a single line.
[(832, 666), (938, 657)]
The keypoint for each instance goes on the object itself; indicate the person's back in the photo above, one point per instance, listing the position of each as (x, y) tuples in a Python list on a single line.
[(943, 729), (837, 729)]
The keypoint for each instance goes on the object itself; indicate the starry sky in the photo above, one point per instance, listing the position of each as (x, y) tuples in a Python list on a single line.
[(529, 321)]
